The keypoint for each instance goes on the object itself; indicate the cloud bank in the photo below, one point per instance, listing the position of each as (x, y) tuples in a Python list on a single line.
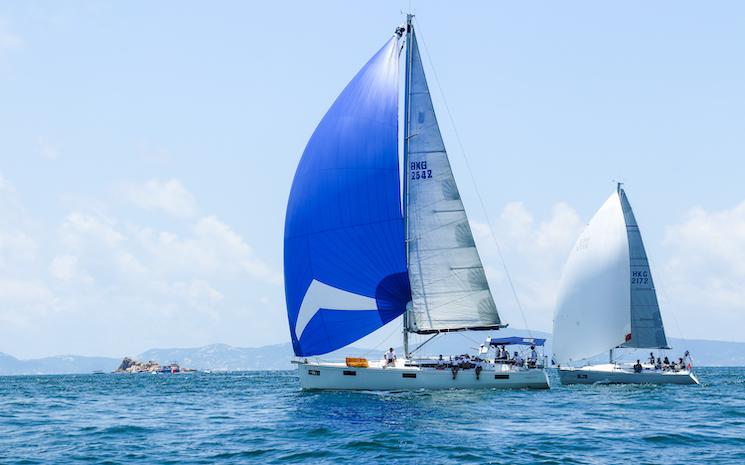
[(101, 283)]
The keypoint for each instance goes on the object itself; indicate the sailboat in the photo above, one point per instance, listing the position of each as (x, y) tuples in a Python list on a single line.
[(607, 302), (364, 245)]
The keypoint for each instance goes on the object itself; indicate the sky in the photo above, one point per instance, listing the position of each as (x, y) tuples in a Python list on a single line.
[(147, 151)]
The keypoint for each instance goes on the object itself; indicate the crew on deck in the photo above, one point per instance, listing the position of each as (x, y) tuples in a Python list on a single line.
[(479, 368), (390, 357), (502, 353), (533, 359), (638, 367), (665, 364)]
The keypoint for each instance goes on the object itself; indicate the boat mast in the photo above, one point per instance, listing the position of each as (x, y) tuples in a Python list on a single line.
[(407, 119)]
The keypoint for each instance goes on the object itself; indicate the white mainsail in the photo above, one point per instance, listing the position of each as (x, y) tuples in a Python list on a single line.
[(592, 313), (448, 284)]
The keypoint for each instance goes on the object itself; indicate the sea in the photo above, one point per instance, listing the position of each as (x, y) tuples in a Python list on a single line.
[(264, 418)]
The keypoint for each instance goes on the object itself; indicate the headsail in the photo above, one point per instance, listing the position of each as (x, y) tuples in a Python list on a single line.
[(647, 330), (345, 265), (592, 311), (448, 285)]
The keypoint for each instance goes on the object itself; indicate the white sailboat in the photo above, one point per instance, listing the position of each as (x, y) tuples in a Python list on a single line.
[(357, 256), (607, 301)]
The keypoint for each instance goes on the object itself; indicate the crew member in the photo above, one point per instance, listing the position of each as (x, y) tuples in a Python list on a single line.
[(390, 357), (638, 367), (533, 359)]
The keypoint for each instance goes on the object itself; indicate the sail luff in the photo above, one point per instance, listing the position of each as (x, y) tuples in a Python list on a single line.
[(449, 287)]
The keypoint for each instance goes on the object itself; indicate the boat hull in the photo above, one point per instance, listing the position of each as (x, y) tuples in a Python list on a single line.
[(325, 376), (610, 374)]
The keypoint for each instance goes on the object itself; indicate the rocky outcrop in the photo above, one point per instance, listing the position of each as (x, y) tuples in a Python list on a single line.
[(129, 365)]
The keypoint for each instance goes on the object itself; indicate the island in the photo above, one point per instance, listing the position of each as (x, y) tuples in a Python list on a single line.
[(130, 365)]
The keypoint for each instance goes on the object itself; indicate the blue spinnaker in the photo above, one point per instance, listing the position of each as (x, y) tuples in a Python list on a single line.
[(344, 263)]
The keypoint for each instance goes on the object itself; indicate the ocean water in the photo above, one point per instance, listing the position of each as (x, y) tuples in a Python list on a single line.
[(263, 417)]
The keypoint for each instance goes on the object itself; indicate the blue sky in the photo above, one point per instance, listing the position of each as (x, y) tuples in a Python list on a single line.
[(147, 149)]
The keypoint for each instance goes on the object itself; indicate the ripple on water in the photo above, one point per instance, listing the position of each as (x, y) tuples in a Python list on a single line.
[(265, 418)]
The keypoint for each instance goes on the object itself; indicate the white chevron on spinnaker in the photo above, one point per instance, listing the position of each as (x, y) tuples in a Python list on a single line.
[(322, 296)]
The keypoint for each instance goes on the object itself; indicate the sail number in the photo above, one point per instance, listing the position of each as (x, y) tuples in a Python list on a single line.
[(640, 277), (419, 170)]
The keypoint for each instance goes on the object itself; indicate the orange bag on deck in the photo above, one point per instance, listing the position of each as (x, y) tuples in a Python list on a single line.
[(357, 362)]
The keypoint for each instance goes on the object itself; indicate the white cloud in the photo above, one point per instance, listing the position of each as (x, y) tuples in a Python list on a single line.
[(8, 39), (197, 294), (170, 197), (535, 252), (23, 301), (66, 268), (102, 283), (704, 274), (16, 247), (212, 249), (79, 229)]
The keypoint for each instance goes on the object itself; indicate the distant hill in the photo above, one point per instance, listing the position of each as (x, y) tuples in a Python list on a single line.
[(225, 357), (278, 356)]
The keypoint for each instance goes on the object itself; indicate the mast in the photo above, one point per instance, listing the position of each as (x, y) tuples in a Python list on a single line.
[(409, 28)]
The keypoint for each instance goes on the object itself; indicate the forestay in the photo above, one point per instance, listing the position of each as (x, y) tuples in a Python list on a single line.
[(448, 285), (592, 313), (344, 262)]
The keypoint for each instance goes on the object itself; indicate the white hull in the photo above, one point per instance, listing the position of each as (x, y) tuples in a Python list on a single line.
[(337, 376), (623, 374)]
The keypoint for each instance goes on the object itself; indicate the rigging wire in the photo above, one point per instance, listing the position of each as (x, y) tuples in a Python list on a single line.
[(467, 337), (659, 289), (384, 342), (473, 180)]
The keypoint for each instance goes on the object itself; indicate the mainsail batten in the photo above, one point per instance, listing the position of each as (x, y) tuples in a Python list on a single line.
[(449, 287)]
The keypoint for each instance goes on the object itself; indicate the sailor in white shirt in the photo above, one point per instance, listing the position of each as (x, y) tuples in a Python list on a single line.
[(390, 357), (479, 367)]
